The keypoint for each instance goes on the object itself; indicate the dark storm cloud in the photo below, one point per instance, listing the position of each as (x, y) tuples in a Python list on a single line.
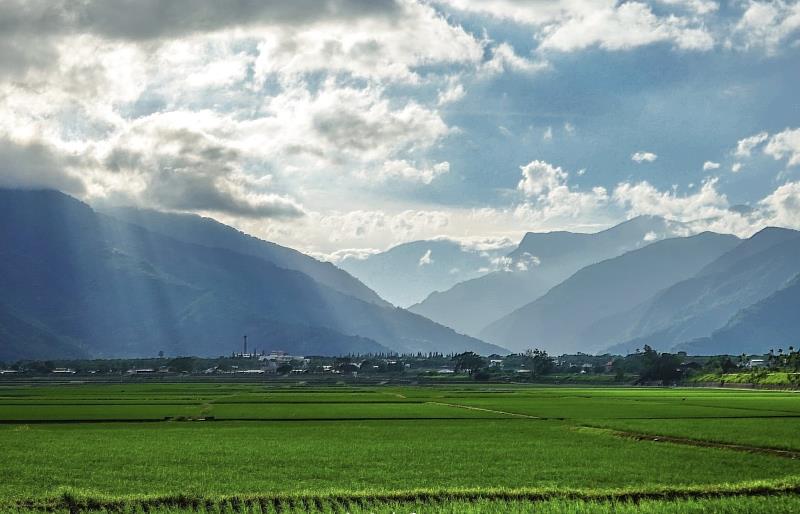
[(187, 170), (35, 165), (155, 19), (29, 29)]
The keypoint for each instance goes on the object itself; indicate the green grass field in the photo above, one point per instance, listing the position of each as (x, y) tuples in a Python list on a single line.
[(264, 447)]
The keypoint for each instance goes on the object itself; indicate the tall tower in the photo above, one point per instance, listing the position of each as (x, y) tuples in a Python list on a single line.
[(245, 345)]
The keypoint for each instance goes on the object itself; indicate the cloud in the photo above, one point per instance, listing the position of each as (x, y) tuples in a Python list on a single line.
[(736, 167), (484, 243), (392, 47), (354, 254), (782, 207), (548, 134), (644, 198), (767, 25), (550, 197), (526, 261), (785, 144), (352, 122), (710, 165), (425, 259), (540, 177), (34, 165), (621, 27), (746, 146), (404, 171), (179, 166), (505, 58), (612, 25), (454, 92), (698, 6), (152, 19), (640, 157)]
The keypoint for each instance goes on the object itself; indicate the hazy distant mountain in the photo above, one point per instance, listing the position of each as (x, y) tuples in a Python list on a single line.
[(558, 320), (539, 262), (195, 229), (695, 307), (118, 289), (407, 273), (771, 323)]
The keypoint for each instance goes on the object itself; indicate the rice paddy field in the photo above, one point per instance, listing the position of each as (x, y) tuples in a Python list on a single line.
[(292, 447)]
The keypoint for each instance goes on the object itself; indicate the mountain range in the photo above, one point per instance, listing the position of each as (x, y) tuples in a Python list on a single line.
[(560, 321), (77, 283), (118, 282), (540, 261)]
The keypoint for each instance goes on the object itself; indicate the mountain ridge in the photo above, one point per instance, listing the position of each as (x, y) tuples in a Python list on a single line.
[(540, 262), (100, 280)]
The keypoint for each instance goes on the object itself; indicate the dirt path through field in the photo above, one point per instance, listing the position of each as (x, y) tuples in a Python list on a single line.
[(470, 407), (699, 442)]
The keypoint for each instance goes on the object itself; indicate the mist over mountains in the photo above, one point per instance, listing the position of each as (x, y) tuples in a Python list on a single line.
[(561, 321), (646, 281), (406, 274), (541, 261)]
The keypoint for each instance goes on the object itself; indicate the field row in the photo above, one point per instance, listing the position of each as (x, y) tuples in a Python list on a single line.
[(759, 497)]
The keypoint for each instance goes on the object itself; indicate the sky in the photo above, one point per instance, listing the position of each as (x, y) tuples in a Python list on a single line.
[(343, 127)]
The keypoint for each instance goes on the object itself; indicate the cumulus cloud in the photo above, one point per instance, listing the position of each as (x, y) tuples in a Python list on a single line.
[(504, 58), (640, 157), (644, 198), (782, 207), (622, 26), (686, 25), (550, 196), (767, 24), (540, 177), (745, 146), (454, 92), (782, 145), (710, 165), (785, 144), (568, 26), (736, 167)]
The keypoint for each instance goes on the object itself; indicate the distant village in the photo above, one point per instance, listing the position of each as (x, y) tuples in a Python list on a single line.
[(644, 366)]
